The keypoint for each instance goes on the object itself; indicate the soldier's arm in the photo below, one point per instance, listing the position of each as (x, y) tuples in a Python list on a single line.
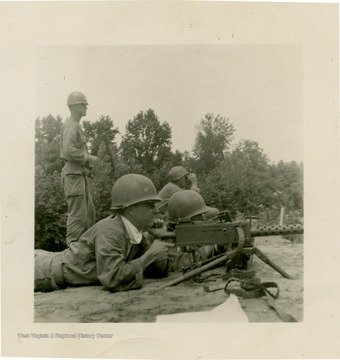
[(193, 181), (113, 271)]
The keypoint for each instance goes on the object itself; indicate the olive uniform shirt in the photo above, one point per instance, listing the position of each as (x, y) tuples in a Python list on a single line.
[(73, 147), (105, 253)]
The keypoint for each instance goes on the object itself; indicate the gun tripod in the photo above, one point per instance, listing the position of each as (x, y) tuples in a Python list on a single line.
[(222, 259), (263, 257)]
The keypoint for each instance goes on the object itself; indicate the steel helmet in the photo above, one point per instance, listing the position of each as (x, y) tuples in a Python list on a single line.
[(76, 97), (132, 189), (177, 172), (183, 205)]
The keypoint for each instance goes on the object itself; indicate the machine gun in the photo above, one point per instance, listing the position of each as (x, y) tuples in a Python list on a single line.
[(236, 238)]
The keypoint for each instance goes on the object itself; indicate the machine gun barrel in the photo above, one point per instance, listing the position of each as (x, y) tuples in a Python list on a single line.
[(277, 230), (196, 235)]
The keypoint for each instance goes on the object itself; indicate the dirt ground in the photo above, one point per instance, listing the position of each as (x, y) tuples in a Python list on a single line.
[(92, 304)]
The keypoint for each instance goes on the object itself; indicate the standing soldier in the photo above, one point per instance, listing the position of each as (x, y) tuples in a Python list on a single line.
[(81, 212)]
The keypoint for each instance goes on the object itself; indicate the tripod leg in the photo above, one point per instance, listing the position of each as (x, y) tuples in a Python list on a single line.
[(266, 260)]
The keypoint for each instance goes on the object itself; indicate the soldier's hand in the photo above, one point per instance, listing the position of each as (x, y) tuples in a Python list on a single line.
[(159, 250), (157, 229), (192, 178), (93, 160), (157, 223), (192, 182)]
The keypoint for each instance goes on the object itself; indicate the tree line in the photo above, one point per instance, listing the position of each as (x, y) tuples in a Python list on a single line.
[(237, 177)]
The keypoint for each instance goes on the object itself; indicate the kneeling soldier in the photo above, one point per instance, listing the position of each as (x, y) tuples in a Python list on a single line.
[(179, 179), (114, 252)]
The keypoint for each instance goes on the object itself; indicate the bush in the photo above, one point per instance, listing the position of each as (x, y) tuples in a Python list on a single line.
[(50, 211), (101, 182), (51, 206)]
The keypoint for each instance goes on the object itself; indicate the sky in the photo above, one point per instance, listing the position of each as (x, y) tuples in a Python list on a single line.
[(259, 88)]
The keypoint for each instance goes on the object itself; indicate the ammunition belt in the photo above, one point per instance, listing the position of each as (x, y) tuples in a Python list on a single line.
[(253, 289)]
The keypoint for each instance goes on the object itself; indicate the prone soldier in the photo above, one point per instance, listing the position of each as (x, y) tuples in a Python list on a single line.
[(117, 251)]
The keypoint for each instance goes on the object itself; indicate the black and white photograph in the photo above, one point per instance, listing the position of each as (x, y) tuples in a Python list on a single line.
[(175, 166), (177, 179)]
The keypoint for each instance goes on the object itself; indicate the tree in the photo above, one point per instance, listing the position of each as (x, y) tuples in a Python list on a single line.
[(288, 179), (213, 137), (50, 205), (250, 177), (241, 182), (47, 143), (146, 142), (102, 131)]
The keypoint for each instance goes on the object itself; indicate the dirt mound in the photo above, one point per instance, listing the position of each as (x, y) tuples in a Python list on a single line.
[(92, 304)]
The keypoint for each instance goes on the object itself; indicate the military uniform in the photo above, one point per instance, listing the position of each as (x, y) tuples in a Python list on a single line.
[(103, 255), (81, 211)]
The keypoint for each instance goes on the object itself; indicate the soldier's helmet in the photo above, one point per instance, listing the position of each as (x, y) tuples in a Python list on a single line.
[(132, 189), (183, 205), (76, 97), (177, 172)]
